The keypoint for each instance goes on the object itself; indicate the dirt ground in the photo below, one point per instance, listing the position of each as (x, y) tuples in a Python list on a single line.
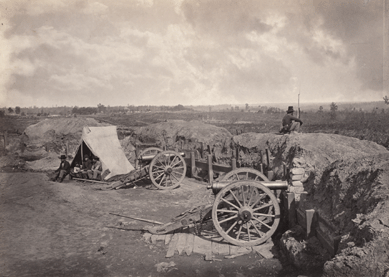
[(63, 229)]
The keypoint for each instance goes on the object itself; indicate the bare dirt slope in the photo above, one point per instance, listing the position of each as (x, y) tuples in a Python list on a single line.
[(61, 229), (53, 134), (354, 196)]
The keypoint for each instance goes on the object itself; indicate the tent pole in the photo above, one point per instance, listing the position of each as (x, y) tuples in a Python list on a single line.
[(82, 152)]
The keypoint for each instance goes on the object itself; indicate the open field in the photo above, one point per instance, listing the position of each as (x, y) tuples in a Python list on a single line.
[(367, 126)]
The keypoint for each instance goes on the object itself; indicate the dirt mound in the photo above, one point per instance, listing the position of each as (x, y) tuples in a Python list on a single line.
[(50, 162), (54, 135), (128, 149), (185, 135)]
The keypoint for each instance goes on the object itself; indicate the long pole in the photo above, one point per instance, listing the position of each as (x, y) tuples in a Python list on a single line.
[(385, 54), (298, 104), (82, 152)]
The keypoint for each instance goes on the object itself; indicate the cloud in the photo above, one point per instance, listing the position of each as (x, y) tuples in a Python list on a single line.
[(189, 52)]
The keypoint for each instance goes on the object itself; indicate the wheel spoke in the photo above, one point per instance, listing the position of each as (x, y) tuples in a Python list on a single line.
[(247, 175), (232, 226), (243, 196), (236, 199), (240, 230), (227, 211), (261, 196), (160, 183), (172, 161), (264, 206), (177, 174), (265, 215), (262, 222), (228, 202), (251, 194), (175, 177), (256, 178), (173, 165), (237, 177), (248, 230), (228, 219), (256, 229), (159, 175)]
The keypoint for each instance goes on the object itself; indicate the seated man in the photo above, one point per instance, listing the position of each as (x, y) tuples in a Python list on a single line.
[(290, 124), (96, 169), (86, 168), (63, 170), (75, 171)]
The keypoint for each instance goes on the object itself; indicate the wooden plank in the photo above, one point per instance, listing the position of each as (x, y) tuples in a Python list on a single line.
[(192, 164), (146, 237), (215, 247), (168, 238), (264, 250), (233, 249), (215, 167), (210, 169), (224, 248), (301, 218), (309, 216), (154, 239), (181, 243), (326, 223), (201, 246), (325, 241), (172, 246), (189, 244), (161, 237)]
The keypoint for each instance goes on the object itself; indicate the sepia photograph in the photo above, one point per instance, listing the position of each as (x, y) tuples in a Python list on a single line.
[(194, 138)]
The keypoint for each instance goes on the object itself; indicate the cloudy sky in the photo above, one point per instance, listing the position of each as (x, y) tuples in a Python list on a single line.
[(190, 52)]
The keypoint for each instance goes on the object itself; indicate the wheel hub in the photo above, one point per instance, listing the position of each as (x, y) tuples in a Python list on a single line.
[(245, 215), (168, 170)]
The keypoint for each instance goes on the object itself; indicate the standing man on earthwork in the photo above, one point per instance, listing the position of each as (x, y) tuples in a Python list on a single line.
[(290, 124)]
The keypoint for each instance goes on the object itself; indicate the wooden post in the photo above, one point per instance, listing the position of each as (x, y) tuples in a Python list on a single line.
[(67, 147), (192, 164), (291, 207), (233, 163), (268, 157), (303, 196), (202, 149), (261, 167), (5, 139), (309, 215), (210, 169)]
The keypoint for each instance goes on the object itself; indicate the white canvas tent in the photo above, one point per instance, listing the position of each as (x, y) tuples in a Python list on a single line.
[(103, 142)]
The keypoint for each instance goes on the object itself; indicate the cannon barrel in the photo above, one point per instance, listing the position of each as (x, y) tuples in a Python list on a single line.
[(273, 185)]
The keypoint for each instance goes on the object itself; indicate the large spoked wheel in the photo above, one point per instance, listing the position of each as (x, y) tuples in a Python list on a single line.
[(151, 151), (167, 170), (244, 173), (246, 213)]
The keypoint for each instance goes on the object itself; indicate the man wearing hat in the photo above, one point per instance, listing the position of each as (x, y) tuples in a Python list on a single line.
[(290, 124), (63, 169)]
